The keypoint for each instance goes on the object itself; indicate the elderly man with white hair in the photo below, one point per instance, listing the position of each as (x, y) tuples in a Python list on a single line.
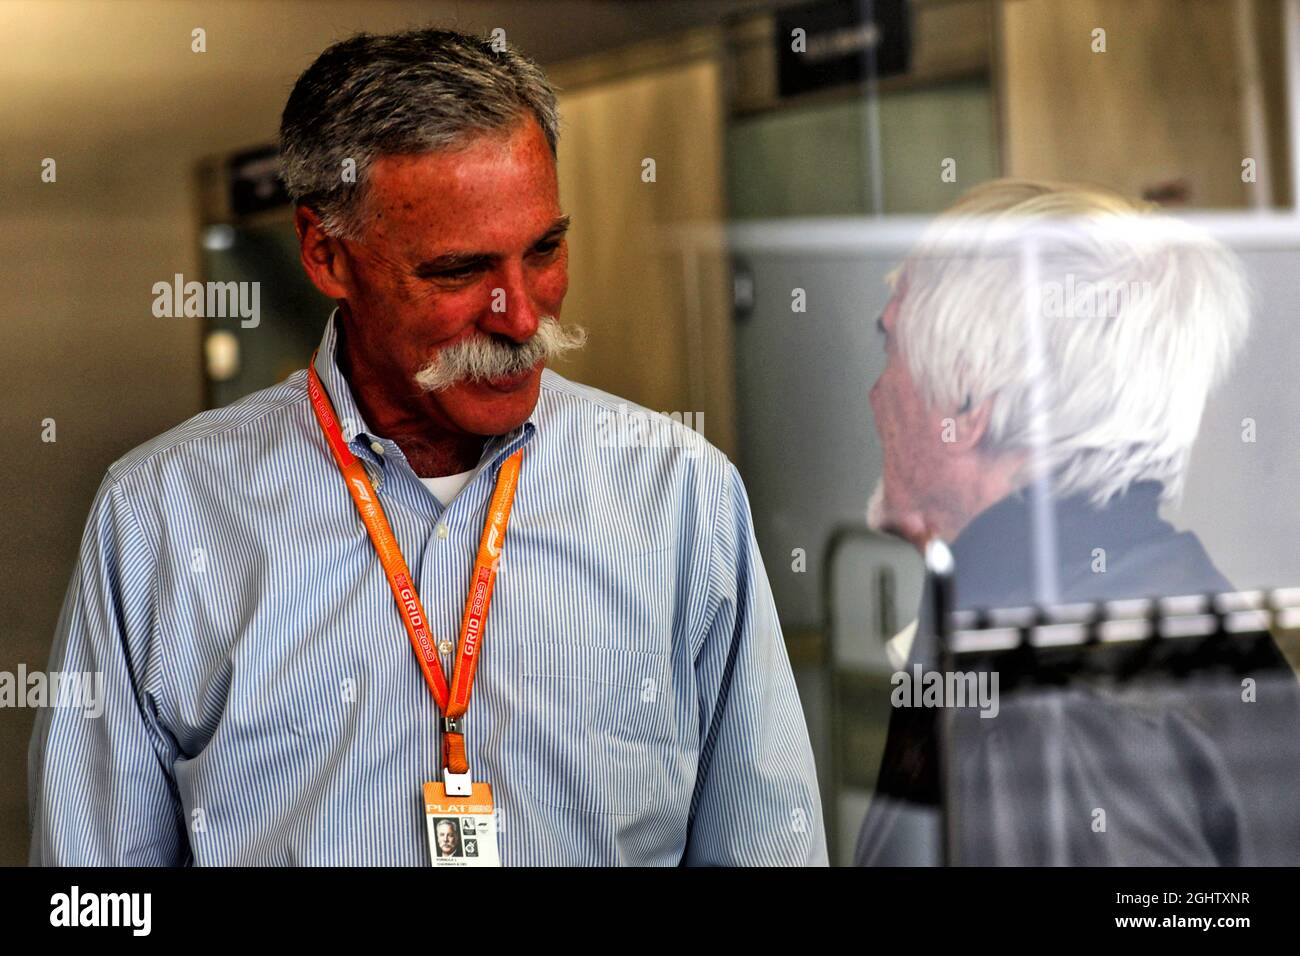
[(1050, 349)]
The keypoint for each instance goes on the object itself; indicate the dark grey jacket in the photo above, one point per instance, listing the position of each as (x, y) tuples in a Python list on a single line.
[(1157, 770)]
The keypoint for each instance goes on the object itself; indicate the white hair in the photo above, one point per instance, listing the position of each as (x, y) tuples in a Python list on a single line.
[(1095, 325)]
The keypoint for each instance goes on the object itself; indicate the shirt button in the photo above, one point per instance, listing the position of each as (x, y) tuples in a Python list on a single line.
[(443, 531), (377, 448), (445, 647)]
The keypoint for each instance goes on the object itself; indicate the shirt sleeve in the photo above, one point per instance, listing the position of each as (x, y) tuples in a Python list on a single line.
[(756, 801), (100, 784)]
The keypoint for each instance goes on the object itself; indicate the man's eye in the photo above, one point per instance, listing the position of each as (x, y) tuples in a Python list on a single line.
[(464, 272), (546, 248)]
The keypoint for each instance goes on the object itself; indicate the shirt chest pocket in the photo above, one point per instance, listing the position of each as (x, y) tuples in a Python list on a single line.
[(593, 727)]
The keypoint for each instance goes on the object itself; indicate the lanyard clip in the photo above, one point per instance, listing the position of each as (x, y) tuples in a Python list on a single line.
[(457, 784)]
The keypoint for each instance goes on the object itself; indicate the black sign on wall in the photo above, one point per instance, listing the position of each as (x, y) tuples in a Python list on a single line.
[(843, 42), (255, 181)]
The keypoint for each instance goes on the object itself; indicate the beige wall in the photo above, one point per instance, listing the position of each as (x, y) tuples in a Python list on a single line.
[(1172, 98), (647, 289)]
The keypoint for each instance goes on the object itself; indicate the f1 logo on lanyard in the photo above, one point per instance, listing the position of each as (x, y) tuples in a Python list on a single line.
[(459, 813)]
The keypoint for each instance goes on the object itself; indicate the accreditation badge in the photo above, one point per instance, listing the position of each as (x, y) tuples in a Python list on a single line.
[(462, 830)]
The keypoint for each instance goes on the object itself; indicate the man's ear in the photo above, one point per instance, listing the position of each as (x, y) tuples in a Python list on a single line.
[(322, 256), (964, 429)]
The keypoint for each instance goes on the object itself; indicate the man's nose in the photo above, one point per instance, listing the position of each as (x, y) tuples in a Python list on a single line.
[(511, 311)]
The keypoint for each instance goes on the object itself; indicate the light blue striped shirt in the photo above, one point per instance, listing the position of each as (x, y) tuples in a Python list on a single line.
[(262, 704)]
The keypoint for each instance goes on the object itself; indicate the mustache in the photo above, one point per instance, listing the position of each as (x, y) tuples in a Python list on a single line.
[(482, 358)]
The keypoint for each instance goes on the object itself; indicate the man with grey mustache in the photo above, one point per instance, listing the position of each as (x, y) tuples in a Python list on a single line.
[(415, 572)]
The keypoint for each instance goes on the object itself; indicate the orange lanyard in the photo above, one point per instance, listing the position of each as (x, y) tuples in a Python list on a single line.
[(452, 703)]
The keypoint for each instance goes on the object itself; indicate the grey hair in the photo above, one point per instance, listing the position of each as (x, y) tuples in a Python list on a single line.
[(399, 94)]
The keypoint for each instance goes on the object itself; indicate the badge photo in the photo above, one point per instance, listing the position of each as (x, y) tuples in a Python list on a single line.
[(462, 830)]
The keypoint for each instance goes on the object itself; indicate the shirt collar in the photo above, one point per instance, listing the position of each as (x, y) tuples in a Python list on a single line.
[(351, 421), (357, 432)]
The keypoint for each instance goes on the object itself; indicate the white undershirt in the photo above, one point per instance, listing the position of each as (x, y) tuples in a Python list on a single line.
[(448, 487), (899, 647)]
